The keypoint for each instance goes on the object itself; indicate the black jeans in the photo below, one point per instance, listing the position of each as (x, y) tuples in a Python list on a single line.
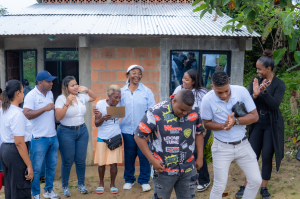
[(16, 186), (203, 177), (261, 141)]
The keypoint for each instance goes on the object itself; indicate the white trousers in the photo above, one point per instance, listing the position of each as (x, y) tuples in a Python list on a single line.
[(243, 154)]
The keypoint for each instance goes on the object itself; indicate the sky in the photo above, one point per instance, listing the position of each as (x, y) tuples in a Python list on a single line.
[(16, 5)]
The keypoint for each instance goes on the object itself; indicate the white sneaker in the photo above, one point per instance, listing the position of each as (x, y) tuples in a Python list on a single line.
[(146, 187), (128, 185), (51, 194), (36, 196)]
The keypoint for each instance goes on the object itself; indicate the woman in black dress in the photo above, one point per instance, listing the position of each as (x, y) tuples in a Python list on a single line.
[(267, 135)]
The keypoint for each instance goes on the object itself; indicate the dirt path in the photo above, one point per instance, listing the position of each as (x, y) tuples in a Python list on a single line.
[(283, 185)]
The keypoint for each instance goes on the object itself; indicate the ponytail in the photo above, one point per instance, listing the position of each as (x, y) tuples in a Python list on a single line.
[(5, 101), (12, 86)]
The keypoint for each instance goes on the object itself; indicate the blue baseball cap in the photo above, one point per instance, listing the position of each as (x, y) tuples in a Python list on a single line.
[(44, 75)]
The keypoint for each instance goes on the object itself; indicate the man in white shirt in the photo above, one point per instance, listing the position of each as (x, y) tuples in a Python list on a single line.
[(230, 142), (211, 62), (39, 109)]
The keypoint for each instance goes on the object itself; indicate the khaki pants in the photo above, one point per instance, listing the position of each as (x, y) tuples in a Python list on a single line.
[(243, 154)]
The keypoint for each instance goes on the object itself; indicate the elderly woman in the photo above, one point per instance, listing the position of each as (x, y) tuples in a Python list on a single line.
[(72, 132), (136, 98), (108, 128)]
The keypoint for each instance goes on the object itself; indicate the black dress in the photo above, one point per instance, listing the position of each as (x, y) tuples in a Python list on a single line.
[(270, 102)]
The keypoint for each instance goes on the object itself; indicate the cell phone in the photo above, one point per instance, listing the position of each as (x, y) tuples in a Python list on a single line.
[(268, 81), (26, 172)]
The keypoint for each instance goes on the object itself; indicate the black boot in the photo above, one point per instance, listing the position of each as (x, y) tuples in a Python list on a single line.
[(264, 193), (240, 193)]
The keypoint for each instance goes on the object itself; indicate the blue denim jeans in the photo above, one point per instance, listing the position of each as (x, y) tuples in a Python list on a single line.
[(131, 150), (207, 70), (73, 147), (43, 149)]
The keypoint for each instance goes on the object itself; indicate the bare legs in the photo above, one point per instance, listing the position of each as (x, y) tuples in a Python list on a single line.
[(113, 174)]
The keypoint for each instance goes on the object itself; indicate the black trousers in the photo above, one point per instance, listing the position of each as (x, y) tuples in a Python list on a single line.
[(203, 177), (16, 186), (262, 143)]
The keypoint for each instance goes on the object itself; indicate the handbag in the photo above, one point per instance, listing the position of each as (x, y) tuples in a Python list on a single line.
[(114, 142), (298, 155), (239, 109)]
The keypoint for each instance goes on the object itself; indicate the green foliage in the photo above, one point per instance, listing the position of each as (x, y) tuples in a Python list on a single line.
[(265, 18), (292, 121), (29, 67), (207, 149), (2, 10), (278, 54)]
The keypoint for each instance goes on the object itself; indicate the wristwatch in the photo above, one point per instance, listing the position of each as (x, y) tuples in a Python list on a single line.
[(237, 121), (264, 91)]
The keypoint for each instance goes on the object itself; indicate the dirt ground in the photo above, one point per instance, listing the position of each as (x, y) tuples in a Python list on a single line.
[(283, 184)]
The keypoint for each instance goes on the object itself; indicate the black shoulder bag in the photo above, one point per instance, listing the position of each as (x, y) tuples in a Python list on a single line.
[(239, 109), (114, 142)]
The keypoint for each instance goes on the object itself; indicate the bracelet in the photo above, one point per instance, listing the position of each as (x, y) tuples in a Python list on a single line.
[(66, 105)]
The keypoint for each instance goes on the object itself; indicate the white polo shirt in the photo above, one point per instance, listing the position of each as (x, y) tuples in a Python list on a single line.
[(109, 128), (75, 113), (213, 108), (210, 59), (44, 125), (14, 123)]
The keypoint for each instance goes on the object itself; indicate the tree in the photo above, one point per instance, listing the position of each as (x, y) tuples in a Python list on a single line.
[(280, 16), (2, 10)]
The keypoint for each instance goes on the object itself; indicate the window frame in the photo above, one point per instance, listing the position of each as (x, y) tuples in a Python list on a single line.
[(200, 70), (21, 62)]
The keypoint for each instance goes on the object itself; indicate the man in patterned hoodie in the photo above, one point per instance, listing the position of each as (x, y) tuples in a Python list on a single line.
[(175, 131)]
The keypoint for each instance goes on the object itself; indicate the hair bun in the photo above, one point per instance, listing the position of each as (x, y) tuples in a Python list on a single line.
[(268, 53)]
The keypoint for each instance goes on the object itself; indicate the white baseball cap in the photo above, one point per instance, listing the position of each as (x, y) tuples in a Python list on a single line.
[(135, 66)]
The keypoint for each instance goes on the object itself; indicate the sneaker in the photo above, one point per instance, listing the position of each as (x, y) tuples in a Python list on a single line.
[(128, 185), (81, 188), (264, 193), (146, 187), (240, 193), (50, 194), (202, 187), (36, 196), (66, 191)]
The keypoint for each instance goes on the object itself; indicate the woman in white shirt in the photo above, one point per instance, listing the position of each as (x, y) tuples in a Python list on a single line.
[(108, 128), (16, 136), (72, 132), (191, 80)]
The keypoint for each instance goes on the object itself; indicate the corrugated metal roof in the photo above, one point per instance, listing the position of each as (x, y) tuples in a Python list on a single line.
[(115, 19)]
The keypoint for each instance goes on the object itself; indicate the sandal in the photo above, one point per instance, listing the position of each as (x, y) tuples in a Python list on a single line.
[(100, 190), (114, 190)]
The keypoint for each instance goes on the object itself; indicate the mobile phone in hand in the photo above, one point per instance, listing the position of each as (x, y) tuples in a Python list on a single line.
[(268, 81)]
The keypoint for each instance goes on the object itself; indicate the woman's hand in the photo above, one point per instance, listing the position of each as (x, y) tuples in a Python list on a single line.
[(257, 89), (95, 110), (30, 174), (82, 89), (106, 117), (70, 98)]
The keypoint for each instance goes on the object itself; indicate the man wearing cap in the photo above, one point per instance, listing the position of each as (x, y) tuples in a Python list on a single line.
[(136, 98), (39, 109)]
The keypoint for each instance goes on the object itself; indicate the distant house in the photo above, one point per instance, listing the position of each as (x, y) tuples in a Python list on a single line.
[(97, 40)]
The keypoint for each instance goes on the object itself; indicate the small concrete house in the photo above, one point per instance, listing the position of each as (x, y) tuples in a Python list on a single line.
[(97, 40)]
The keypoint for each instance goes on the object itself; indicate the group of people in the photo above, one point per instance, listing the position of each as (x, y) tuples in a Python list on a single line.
[(168, 137)]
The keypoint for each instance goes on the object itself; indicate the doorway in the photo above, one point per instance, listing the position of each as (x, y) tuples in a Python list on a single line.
[(61, 63)]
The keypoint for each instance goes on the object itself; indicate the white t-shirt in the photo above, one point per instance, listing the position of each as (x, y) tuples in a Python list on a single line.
[(213, 108), (210, 59), (109, 128), (198, 96), (14, 123), (75, 114), (44, 125)]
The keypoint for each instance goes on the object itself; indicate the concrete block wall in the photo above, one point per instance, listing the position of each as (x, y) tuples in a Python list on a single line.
[(109, 65)]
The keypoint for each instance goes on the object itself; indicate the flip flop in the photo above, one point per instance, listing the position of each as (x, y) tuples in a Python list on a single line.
[(100, 190), (114, 190)]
